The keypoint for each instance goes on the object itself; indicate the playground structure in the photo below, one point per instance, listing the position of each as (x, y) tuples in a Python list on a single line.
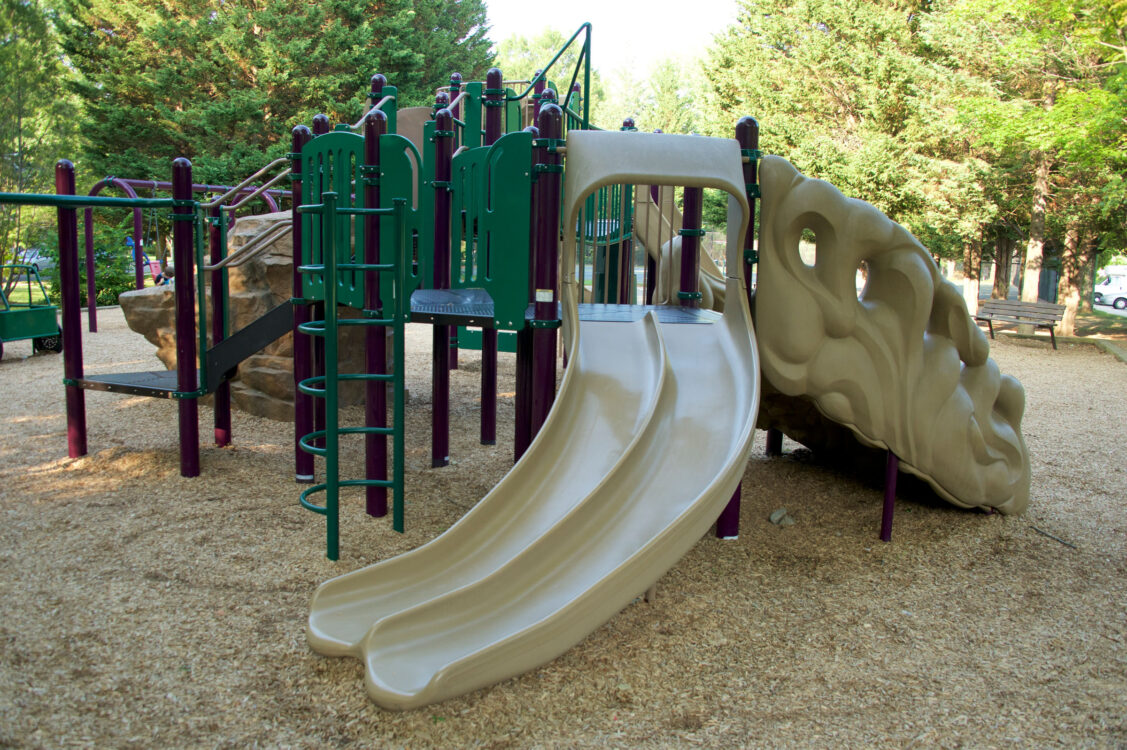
[(650, 430)]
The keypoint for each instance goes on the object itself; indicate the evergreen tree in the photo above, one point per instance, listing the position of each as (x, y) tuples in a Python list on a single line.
[(223, 81), (37, 121)]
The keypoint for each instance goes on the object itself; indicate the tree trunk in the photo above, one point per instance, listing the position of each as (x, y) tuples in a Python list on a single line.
[(1089, 251), (972, 272), (1035, 247), (1068, 288), (1003, 259)]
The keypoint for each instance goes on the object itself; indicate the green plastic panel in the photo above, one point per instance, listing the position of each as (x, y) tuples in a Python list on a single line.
[(471, 115), (470, 338), (400, 162), (513, 122), (331, 163), (391, 108), (492, 194)]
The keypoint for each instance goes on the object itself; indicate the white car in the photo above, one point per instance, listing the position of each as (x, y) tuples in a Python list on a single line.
[(1111, 290), (37, 259)]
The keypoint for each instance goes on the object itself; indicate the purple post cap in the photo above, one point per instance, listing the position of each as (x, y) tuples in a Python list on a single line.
[(494, 79), (320, 124), (628, 124), (748, 125), (534, 130), (300, 130), (378, 82), (375, 117), (456, 79), (549, 95), (551, 120), (576, 87), (444, 114), (658, 130)]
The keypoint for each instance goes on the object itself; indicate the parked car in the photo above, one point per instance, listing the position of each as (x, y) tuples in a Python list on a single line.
[(37, 259), (1111, 290)]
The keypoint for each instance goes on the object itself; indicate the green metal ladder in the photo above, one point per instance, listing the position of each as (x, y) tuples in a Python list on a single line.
[(324, 253)]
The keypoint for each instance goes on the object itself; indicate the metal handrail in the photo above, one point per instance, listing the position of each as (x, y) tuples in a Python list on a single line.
[(360, 123), (265, 186), (244, 183), (254, 247)]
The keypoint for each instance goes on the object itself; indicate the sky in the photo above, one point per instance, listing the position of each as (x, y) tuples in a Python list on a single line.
[(622, 33)]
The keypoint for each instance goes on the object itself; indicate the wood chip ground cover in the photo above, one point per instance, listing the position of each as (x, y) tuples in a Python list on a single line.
[(146, 610)]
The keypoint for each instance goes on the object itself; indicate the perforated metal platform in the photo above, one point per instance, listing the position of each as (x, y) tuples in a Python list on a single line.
[(461, 307)]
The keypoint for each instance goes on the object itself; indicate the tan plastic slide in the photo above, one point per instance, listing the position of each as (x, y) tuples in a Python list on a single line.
[(648, 439)]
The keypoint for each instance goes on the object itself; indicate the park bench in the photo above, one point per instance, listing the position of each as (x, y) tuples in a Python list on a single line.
[(1016, 312)]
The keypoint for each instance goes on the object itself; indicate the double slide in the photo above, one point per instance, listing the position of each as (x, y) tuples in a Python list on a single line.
[(647, 441)]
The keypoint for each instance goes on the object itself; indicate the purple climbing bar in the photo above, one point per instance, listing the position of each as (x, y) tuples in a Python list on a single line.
[(494, 109), (549, 177), (184, 292), (440, 382), (217, 240), (375, 337), (72, 312), (302, 343)]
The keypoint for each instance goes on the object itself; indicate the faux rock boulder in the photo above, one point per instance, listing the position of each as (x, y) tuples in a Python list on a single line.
[(901, 366), (264, 385)]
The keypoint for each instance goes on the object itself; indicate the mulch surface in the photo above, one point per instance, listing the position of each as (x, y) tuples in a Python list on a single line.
[(142, 609)]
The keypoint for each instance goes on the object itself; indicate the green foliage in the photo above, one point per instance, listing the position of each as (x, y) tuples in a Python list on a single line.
[(519, 57), (37, 121), (113, 261), (223, 82)]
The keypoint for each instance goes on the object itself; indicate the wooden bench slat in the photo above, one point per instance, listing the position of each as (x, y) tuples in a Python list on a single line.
[(1016, 312)]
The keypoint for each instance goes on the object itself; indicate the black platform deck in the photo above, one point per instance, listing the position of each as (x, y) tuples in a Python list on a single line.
[(154, 383), (455, 307), (222, 359)]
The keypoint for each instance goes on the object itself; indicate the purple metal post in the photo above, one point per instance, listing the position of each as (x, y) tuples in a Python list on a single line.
[(375, 337), (747, 134), (72, 312), (321, 126), (440, 384), (91, 271), (546, 233), (690, 248), (522, 427), (774, 442), (186, 373), (728, 523), (495, 96), (88, 237), (138, 248), (891, 469), (302, 343), (218, 313)]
